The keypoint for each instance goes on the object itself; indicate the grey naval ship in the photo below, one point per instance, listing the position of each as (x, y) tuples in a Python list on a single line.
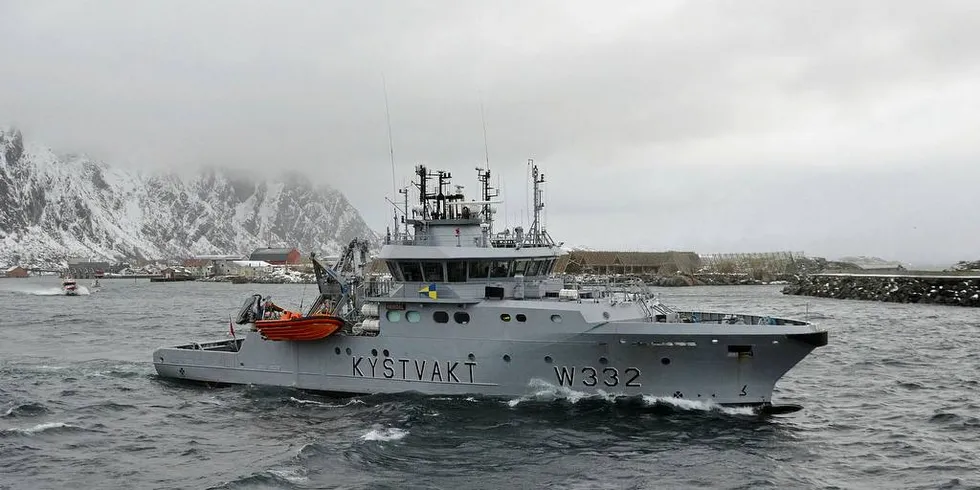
[(469, 311)]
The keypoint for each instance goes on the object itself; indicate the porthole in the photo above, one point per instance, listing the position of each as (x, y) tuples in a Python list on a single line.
[(374, 352), (413, 316), (385, 352), (471, 356), (506, 357), (605, 314), (504, 317), (440, 317), (461, 317), (393, 316), (348, 351), (547, 359), (336, 350), (520, 317), (665, 361), (556, 318), (603, 361)]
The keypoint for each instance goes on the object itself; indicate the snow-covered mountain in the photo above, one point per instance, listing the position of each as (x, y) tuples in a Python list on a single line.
[(53, 207)]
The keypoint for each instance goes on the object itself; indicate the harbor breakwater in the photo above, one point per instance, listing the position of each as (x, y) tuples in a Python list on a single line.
[(716, 279), (955, 290)]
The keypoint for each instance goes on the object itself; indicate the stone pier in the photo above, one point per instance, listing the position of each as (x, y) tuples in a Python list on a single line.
[(943, 289)]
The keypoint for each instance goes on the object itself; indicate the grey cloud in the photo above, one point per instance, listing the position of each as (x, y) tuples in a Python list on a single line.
[(696, 113)]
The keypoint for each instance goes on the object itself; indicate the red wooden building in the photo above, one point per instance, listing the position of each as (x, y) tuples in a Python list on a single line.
[(15, 271), (276, 256)]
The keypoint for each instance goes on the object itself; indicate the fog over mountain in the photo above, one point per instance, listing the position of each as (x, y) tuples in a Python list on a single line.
[(60, 206)]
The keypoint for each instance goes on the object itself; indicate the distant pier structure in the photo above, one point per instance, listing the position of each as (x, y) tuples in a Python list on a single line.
[(757, 262), (627, 262), (86, 269)]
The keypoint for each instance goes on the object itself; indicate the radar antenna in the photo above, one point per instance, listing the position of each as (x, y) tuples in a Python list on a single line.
[(487, 192), (537, 235)]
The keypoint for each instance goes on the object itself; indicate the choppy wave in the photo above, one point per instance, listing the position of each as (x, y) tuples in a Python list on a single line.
[(52, 291), (385, 434), (80, 407), (274, 478), (323, 404), (544, 391), (41, 428), (28, 409)]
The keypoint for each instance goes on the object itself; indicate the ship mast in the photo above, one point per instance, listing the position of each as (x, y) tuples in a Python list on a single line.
[(404, 193), (437, 204), (486, 193), (537, 236)]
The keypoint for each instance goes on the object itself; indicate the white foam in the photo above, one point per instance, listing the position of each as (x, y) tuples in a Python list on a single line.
[(385, 435), (81, 290), (325, 405), (705, 406), (292, 475), (305, 402), (41, 428), (545, 391)]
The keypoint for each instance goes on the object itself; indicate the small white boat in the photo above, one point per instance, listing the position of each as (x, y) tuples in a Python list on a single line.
[(69, 287)]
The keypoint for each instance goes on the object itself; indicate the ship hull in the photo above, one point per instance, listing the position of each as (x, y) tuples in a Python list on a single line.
[(734, 367)]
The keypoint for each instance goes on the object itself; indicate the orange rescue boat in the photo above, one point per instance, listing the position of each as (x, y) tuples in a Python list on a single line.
[(294, 326)]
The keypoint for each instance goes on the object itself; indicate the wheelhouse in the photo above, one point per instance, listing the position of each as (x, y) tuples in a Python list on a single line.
[(463, 270)]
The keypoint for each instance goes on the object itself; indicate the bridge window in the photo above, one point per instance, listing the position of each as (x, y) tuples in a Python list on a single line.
[(520, 267), (440, 317), (461, 317), (556, 318), (393, 316), (412, 271), (501, 268), (433, 271), (456, 270), (479, 269), (504, 317), (532, 269), (396, 274), (521, 317), (546, 267), (413, 316)]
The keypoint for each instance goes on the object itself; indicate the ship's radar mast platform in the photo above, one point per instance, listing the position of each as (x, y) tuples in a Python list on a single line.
[(441, 204)]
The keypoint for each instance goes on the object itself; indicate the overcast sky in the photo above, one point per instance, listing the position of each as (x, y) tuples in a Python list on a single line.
[(832, 127)]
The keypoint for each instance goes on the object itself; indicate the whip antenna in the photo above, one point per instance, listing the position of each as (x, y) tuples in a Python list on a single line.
[(486, 147), (391, 146)]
